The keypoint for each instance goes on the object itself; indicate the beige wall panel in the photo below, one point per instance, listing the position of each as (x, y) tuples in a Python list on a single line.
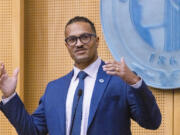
[(165, 103), (18, 43), (35, 51), (6, 41), (177, 112), (46, 57), (11, 48)]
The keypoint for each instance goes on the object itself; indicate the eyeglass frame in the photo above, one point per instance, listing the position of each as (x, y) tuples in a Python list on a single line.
[(79, 37)]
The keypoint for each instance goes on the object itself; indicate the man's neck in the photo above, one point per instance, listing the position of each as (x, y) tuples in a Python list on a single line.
[(84, 65)]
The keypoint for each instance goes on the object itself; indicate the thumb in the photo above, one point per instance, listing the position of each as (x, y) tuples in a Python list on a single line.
[(122, 60), (15, 73)]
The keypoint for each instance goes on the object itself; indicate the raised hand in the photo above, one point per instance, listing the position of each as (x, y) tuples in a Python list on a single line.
[(7, 84), (121, 69)]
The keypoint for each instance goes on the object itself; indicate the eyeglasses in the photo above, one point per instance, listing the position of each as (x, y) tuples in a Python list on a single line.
[(85, 38)]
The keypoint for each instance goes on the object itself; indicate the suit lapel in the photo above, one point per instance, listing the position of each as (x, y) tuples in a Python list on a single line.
[(100, 85), (65, 86)]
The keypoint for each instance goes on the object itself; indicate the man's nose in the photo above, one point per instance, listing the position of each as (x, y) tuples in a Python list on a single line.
[(79, 43)]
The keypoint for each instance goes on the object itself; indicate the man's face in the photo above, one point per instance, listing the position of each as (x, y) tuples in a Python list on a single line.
[(80, 52)]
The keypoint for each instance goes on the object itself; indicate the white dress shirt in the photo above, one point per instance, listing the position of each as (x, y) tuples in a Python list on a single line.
[(89, 83)]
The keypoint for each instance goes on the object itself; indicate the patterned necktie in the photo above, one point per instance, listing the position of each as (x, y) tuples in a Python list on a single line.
[(76, 116)]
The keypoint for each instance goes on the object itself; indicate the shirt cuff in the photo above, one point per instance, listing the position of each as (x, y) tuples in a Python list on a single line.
[(137, 85), (5, 100)]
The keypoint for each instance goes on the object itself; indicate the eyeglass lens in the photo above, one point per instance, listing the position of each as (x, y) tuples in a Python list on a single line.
[(84, 38)]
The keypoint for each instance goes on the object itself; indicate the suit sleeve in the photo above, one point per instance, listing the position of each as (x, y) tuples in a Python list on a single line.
[(24, 123), (143, 107)]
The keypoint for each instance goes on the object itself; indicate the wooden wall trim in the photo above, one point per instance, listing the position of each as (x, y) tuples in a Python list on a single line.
[(18, 45), (176, 112)]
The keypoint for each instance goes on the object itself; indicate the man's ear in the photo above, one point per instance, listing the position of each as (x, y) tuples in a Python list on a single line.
[(97, 41), (66, 44)]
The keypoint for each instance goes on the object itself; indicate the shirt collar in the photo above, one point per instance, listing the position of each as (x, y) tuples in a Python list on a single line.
[(91, 70)]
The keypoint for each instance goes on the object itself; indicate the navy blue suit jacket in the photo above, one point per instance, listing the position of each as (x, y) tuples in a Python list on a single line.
[(113, 104)]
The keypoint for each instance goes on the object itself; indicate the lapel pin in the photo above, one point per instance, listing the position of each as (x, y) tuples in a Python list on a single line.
[(101, 80)]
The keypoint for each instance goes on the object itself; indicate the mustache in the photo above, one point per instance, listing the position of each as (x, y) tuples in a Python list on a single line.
[(80, 49)]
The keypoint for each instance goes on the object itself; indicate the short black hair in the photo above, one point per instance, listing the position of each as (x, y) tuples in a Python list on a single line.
[(81, 19)]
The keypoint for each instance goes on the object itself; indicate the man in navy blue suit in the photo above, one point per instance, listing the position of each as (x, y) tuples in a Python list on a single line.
[(95, 98)]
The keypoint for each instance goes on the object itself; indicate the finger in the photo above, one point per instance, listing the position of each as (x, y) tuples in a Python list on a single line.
[(109, 65), (15, 73), (122, 60), (1, 63), (1, 69), (3, 77), (123, 64), (112, 72), (112, 68), (110, 62)]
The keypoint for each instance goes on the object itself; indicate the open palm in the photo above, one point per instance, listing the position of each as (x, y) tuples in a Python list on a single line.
[(8, 84)]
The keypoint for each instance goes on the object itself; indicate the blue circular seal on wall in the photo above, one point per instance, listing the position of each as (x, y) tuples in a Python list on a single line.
[(147, 34)]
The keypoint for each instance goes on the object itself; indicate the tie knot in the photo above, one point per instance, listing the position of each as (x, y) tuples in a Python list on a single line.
[(82, 75)]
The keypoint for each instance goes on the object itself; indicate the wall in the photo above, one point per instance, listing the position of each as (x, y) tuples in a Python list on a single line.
[(46, 57)]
